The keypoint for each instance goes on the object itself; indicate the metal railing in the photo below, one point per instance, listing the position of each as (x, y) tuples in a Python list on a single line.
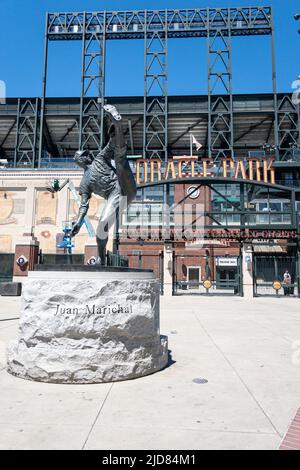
[(46, 164), (58, 163), (174, 220), (291, 156), (116, 260), (289, 183)]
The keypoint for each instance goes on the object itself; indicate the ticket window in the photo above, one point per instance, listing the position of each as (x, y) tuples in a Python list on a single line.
[(194, 276)]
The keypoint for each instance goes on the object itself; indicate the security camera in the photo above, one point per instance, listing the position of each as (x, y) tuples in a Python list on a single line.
[(297, 16), (92, 261), (22, 261)]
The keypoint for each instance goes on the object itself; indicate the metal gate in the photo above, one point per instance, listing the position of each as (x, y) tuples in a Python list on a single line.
[(207, 274), (268, 276), (144, 260), (6, 267)]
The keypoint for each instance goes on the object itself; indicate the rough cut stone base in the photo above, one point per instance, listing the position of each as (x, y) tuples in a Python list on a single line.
[(88, 329)]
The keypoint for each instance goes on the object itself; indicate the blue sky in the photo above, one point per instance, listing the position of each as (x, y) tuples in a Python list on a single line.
[(22, 44)]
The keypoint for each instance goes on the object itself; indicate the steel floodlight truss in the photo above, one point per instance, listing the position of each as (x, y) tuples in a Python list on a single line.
[(218, 25), (288, 121), (26, 132)]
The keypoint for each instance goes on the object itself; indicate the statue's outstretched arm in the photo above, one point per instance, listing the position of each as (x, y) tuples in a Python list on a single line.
[(83, 210)]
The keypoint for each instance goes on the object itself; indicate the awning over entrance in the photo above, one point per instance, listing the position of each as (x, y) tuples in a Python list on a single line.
[(266, 248)]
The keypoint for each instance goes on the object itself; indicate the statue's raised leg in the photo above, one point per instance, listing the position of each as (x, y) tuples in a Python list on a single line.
[(117, 140), (106, 221)]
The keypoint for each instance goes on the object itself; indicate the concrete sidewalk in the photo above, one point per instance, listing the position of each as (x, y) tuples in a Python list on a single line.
[(246, 350)]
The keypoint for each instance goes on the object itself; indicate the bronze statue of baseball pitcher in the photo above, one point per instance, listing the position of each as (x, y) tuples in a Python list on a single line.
[(115, 183)]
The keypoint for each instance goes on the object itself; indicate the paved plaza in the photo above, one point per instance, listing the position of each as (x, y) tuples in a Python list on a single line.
[(248, 352)]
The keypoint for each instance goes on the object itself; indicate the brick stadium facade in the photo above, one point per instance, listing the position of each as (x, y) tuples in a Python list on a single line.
[(27, 207)]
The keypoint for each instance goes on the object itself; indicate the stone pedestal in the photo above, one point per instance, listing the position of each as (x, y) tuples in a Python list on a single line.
[(85, 324)]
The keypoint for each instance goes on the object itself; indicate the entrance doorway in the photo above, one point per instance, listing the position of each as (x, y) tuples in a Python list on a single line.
[(227, 278), (194, 277)]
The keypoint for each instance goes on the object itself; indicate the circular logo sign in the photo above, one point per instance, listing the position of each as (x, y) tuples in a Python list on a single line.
[(193, 192), (207, 284), (277, 285)]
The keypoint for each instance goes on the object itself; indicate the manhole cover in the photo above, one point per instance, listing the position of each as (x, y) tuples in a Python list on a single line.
[(200, 381)]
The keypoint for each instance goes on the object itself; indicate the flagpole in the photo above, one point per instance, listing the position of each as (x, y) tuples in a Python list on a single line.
[(191, 145)]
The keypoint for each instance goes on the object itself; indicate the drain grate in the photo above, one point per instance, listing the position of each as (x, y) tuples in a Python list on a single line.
[(200, 381)]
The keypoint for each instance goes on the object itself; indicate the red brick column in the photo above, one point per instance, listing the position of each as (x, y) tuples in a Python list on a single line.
[(90, 250), (28, 248)]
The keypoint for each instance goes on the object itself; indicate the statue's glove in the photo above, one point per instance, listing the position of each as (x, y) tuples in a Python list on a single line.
[(75, 230)]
